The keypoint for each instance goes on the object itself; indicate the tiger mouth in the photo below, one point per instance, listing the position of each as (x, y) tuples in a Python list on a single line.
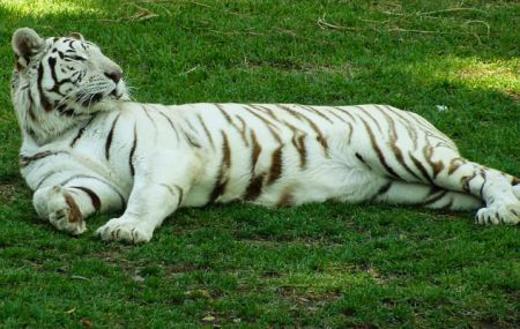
[(98, 97), (115, 94)]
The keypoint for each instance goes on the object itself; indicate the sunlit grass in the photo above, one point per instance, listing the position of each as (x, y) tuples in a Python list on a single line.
[(501, 75), (39, 8)]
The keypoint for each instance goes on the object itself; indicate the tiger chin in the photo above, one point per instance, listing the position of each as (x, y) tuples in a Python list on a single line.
[(88, 149)]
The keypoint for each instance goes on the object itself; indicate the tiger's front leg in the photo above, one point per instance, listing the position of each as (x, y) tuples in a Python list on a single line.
[(160, 184), (67, 204)]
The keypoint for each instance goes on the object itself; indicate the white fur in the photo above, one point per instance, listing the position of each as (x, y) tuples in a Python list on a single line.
[(152, 159)]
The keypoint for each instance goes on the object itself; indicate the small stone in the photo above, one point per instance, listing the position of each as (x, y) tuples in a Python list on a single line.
[(138, 278), (208, 318), (441, 108)]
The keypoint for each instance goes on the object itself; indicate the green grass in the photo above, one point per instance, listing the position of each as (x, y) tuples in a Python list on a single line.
[(328, 265)]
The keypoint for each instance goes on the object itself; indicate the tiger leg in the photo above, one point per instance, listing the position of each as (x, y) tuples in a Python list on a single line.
[(417, 194), (67, 205), (494, 187), (157, 192), (442, 167)]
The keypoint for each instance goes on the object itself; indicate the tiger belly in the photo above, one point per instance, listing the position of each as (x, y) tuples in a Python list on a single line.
[(275, 155)]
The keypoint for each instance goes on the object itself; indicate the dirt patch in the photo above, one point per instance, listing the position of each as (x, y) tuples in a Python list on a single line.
[(7, 192), (515, 95)]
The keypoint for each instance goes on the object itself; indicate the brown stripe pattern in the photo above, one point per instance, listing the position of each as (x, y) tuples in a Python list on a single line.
[(221, 181)]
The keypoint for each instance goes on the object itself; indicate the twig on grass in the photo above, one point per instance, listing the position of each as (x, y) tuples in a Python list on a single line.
[(79, 277), (434, 12), (142, 14), (205, 5), (196, 67), (488, 27), (324, 25), (398, 29), (449, 10)]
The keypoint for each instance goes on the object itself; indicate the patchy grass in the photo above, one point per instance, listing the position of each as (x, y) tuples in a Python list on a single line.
[(328, 265)]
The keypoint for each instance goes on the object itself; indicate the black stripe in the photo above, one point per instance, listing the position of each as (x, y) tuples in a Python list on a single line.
[(264, 109), (393, 143), (57, 83), (382, 190), (206, 130), (181, 194), (320, 137), (360, 158), (267, 122), (31, 103), (121, 197), (379, 154), (481, 191), (43, 100), (368, 114), (229, 120), (80, 132), (94, 198), (410, 128), (317, 112), (25, 160), (385, 188), (421, 168), (345, 111), (132, 151), (223, 112), (149, 116), (109, 138), (44, 178), (170, 122), (52, 66), (435, 198)]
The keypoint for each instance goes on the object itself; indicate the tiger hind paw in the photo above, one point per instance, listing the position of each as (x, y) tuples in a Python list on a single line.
[(508, 213), (64, 213)]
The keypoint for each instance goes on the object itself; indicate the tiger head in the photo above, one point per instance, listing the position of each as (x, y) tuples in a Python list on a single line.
[(58, 82)]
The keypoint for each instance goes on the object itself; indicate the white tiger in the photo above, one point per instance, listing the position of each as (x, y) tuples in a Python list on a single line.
[(87, 149)]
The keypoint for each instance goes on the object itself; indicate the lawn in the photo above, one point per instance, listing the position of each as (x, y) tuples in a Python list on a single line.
[(317, 266)]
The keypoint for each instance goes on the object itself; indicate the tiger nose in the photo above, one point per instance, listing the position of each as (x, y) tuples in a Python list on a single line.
[(114, 75)]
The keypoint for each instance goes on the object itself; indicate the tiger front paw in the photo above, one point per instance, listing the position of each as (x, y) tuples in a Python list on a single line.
[(125, 229), (64, 213), (508, 213)]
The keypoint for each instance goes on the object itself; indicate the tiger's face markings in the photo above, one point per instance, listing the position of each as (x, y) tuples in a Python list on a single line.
[(62, 77)]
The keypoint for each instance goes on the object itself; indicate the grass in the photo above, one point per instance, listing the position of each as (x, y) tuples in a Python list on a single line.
[(328, 265)]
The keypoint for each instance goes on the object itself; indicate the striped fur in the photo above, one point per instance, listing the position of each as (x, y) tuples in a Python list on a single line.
[(150, 159)]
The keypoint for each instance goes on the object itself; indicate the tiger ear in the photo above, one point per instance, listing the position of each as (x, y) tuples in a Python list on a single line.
[(26, 42), (77, 36)]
